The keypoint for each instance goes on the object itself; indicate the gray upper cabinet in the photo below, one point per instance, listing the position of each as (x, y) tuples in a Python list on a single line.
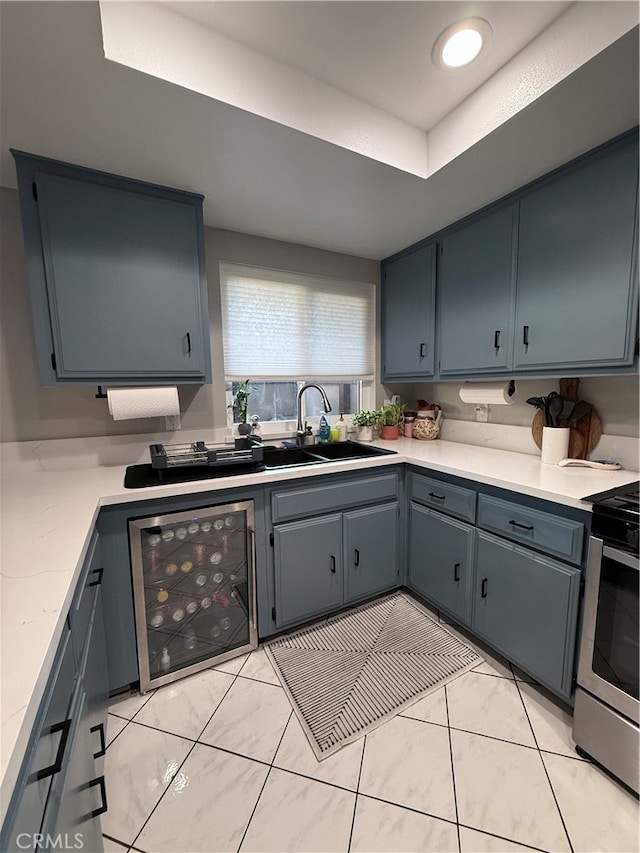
[(575, 288), (543, 282), (408, 314), (475, 294), (117, 277)]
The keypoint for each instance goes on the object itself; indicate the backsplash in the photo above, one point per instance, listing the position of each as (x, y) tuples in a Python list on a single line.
[(615, 398)]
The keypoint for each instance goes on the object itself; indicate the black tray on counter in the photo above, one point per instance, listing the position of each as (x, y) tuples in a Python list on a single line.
[(143, 476)]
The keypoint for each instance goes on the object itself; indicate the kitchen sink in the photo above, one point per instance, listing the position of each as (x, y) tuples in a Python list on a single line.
[(316, 454)]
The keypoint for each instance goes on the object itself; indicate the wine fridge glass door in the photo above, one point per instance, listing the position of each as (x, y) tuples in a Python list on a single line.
[(194, 590)]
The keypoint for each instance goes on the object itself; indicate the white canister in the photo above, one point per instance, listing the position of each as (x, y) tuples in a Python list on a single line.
[(555, 444)]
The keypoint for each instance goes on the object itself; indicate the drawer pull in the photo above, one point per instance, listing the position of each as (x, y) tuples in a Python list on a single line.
[(103, 746), (437, 497), (356, 557), (98, 572), (483, 591), (456, 572), (333, 565), (103, 794), (527, 527), (57, 764)]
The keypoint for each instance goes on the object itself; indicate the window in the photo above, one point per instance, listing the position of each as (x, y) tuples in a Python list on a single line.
[(282, 329), (277, 401)]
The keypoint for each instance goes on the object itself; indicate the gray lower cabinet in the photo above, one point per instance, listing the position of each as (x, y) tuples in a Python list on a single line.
[(526, 605), (335, 541), (308, 573), (517, 597), (324, 562), (441, 555), (371, 549), (60, 787)]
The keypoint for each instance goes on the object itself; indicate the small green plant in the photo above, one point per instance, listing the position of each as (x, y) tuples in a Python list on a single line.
[(366, 419), (240, 403), (393, 414)]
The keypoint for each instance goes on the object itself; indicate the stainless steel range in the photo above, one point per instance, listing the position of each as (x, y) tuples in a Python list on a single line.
[(607, 711)]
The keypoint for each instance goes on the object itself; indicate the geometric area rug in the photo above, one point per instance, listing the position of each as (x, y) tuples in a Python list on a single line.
[(348, 674)]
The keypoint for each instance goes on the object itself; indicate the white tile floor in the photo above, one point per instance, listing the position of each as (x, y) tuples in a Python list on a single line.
[(218, 762)]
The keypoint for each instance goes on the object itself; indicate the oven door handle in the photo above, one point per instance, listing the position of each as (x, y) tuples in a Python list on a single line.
[(628, 560)]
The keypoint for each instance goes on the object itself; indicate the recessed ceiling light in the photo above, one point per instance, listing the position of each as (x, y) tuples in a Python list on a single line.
[(461, 43)]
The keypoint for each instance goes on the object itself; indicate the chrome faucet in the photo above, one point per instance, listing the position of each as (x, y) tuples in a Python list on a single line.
[(325, 403)]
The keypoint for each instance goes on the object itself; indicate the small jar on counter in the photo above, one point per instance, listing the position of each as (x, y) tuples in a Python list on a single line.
[(409, 418)]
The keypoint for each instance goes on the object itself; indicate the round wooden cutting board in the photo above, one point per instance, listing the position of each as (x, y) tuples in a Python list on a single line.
[(584, 435)]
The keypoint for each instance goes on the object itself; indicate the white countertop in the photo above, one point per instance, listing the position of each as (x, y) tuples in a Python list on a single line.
[(48, 513)]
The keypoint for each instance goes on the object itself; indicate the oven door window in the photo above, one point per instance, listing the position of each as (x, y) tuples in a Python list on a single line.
[(615, 654)]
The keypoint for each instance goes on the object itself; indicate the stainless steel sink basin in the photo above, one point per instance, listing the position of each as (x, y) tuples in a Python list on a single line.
[(316, 454)]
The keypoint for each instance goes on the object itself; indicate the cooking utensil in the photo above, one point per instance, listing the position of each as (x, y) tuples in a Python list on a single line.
[(567, 409), (555, 406), (580, 409)]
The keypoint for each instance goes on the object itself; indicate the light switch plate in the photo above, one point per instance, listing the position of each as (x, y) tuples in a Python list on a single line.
[(482, 412)]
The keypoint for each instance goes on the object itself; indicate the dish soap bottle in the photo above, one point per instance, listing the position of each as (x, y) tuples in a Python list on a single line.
[(324, 432), (341, 426)]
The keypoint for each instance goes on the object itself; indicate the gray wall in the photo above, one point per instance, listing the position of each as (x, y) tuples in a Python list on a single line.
[(28, 411)]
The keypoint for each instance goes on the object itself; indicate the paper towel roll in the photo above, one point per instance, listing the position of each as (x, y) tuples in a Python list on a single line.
[(128, 403), (491, 393)]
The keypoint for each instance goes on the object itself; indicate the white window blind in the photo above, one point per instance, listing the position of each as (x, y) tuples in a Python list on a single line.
[(285, 325)]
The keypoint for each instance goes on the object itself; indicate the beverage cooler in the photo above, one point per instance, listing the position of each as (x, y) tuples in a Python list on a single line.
[(194, 590)]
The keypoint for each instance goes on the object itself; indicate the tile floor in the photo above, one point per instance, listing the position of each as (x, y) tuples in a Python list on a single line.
[(218, 762)]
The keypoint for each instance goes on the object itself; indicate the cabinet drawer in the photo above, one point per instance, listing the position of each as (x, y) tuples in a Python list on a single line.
[(82, 604), (543, 531), (298, 503), (45, 753), (445, 497)]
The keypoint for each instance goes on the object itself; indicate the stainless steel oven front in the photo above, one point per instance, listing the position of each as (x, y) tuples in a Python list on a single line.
[(607, 710)]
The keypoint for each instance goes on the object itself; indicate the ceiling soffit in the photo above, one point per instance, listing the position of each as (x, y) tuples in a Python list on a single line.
[(155, 39)]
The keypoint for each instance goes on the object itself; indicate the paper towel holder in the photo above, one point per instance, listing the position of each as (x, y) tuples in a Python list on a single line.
[(512, 387), (101, 395)]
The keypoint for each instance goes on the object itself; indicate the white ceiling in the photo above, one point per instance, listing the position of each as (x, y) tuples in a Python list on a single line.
[(379, 52), (61, 98)]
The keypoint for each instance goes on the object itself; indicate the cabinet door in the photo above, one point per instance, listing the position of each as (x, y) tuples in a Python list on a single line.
[(123, 282), (308, 568), (45, 755), (441, 560), (96, 685), (526, 606), (575, 290), (408, 308), (75, 809), (475, 283), (371, 550)]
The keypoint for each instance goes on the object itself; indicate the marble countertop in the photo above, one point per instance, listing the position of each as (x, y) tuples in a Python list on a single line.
[(49, 503)]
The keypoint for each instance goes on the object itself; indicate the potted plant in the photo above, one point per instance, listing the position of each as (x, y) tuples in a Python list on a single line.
[(365, 421), (240, 406), (392, 419)]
